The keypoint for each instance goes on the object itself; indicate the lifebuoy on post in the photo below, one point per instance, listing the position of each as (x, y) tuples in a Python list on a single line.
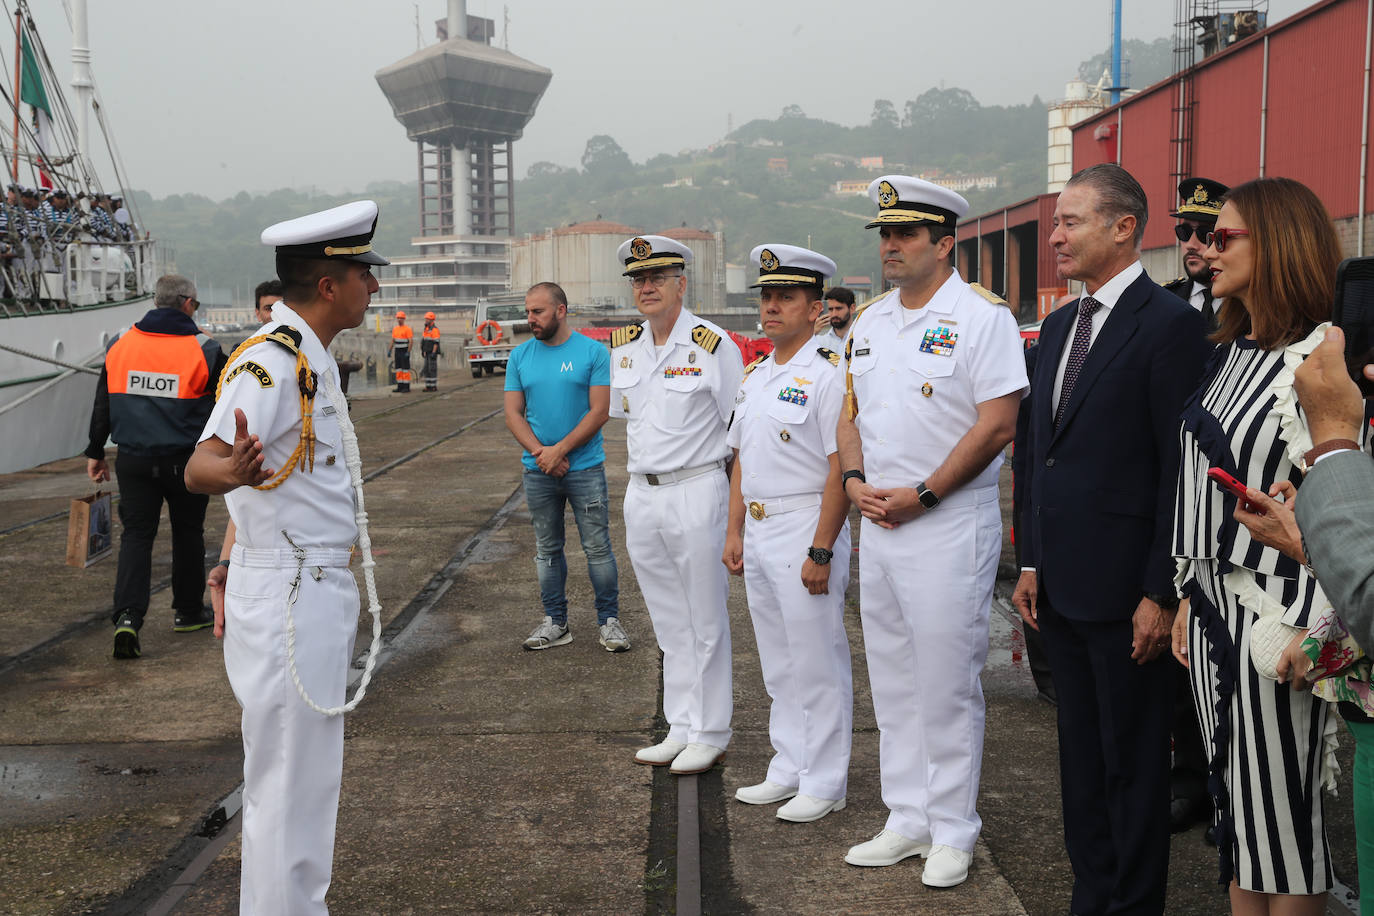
[(496, 332)]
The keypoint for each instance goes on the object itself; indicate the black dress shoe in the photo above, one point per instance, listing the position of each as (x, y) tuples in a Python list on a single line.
[(1185, 812), (1209, 836)]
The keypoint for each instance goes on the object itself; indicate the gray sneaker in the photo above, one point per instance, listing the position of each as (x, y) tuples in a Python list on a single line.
[(613, 636), (549, 634)]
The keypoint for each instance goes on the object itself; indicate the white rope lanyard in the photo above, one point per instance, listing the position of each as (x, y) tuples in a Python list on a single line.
[(374, 605)]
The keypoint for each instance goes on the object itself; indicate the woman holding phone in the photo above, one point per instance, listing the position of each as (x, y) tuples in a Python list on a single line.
[(1273, 255)]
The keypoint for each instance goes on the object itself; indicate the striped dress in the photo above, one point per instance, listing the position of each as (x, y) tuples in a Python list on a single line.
[(1268, 743)]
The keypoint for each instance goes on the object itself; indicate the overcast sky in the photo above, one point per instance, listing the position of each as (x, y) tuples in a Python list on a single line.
[(258, 95)]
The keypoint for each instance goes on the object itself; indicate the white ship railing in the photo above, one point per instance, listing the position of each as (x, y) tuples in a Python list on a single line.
[(86, 274)]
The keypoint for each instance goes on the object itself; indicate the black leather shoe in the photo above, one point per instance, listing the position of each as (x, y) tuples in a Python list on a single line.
[(1186, 812)]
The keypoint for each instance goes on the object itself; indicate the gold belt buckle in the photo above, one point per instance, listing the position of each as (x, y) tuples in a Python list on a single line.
[(756, 511)]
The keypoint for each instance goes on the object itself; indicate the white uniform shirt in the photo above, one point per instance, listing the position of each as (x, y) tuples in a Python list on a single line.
[(677, 398), (802, 400), (919, 377), (314, 507)]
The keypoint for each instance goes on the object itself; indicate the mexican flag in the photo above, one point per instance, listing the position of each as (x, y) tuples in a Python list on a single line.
[(31, 90)]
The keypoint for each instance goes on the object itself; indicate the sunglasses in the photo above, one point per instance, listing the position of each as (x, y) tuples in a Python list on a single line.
[(1185, 231), (1218, 238)]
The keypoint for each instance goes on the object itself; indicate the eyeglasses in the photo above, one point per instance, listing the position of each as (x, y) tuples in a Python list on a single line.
[(1185, 231), (195, 303), (1218, 238), (657, 280)]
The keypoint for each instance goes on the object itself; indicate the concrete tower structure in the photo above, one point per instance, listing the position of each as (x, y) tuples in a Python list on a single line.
[(464, 103)]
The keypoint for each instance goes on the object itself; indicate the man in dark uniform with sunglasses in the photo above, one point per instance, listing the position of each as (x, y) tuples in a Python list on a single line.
[(1197, 216), (1201, 200)]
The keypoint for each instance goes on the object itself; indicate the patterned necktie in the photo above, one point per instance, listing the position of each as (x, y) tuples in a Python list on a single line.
[(1208, 311), (1082, 337)]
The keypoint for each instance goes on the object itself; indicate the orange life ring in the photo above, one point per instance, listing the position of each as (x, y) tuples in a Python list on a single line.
[(495, 338)]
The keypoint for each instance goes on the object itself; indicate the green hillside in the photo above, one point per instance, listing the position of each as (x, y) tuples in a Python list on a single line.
[(733, 190)]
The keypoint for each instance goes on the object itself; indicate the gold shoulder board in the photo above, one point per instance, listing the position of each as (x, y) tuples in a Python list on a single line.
[(705, 338), (987, 294), (622, 336), (286, 336), (752, 366), (829, 354)]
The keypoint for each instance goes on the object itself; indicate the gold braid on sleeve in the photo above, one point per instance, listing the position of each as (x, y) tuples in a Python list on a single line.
[(307, 385)]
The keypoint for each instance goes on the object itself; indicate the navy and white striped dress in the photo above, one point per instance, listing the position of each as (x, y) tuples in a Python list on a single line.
[(1267, 741)]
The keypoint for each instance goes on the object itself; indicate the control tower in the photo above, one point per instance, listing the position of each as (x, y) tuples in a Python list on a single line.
[(464, 102)]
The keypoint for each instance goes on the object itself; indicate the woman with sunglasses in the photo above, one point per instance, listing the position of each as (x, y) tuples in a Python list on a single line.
[(1273, 255)]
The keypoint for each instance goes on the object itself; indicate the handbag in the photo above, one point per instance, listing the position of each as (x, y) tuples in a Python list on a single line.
[(90, 530)]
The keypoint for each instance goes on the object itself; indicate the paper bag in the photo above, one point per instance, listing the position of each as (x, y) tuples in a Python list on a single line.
[(90, 534)]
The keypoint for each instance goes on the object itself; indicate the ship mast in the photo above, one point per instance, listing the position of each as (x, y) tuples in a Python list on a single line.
[(81, 79)]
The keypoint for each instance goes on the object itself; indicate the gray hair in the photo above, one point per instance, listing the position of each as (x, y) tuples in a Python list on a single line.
[(171, 290), (1118, 194)]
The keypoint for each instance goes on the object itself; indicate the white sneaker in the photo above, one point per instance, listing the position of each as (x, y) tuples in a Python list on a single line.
[(765, 793), (661, 754), (549, 634), (946, 866), (613, 637), (696, 758), (887, 848), (807, 808)]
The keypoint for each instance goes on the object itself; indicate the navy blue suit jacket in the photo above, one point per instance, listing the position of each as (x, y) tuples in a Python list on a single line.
[(1098, 512)]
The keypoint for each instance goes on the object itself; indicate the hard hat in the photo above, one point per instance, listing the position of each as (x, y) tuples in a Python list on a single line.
[(430, 316), (400, 314)]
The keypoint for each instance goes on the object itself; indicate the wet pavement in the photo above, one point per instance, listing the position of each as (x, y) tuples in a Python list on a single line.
[(478, 777)]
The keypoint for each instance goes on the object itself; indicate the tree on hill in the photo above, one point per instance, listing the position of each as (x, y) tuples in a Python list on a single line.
[(1144, 63), (603, 155), (884, 116)]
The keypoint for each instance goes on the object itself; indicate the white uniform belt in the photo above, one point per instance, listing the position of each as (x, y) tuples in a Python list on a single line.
[(659, 480), (287, 558), (762, 508)]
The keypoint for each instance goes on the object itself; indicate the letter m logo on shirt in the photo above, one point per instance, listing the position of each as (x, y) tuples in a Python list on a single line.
[(566, 367)]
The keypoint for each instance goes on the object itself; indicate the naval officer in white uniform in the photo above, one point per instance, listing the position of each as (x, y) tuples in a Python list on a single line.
[(789, 518), (935, 376), (674, 379), (274, 447)]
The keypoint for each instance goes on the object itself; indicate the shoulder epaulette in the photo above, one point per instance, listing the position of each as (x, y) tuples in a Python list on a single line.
[(286, 336), (829, 354), (987, 294), (705, 338), (622, 336), (754, 365), (859, 309), (1178, 283)]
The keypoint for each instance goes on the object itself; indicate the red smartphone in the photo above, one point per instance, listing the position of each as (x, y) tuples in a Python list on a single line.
[(1230, 484)]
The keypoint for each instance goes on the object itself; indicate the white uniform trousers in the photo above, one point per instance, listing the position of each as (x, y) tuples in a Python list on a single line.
[(925, 590), (292, 755), (675, 535), (803, 651)]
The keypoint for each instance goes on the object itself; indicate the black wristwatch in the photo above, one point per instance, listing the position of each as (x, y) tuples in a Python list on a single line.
[(819, 555), (926, 496), (847, 475), (224, 563), (1165, 602)]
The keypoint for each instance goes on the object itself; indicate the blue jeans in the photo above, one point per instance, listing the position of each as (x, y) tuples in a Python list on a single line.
[(546, 497)]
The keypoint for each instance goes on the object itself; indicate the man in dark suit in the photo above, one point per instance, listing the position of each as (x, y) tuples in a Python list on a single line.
[(1200, 204), (1113, 372)]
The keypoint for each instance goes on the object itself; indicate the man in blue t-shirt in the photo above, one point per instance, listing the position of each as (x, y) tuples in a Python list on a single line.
[(558, 395)]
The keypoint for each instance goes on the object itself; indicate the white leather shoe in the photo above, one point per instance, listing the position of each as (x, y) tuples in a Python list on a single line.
[(946, 866), (807, 808), (765, 793), (696, 758), (660, 754), (887, 848)]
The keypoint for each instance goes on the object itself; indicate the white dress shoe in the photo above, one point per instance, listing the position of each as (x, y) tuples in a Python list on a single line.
[(660, 754), (946, 866), (887, 848), (696, 758), (765, 793), (807, 808)]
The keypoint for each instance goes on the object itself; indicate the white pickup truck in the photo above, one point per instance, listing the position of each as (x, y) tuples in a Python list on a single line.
[(498, 327)]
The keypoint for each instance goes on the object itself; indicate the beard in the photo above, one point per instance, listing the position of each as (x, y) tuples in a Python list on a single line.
[(548, 331)]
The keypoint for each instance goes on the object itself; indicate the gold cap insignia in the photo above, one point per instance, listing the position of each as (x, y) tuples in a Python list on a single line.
[(640, 249), (1200, 195), (887, 195), (768, 260)]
